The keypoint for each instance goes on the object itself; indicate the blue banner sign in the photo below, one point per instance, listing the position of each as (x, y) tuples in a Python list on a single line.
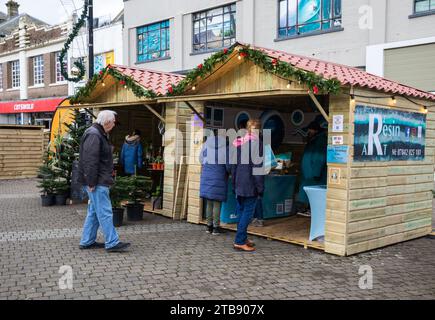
[(388, 134), (338, 154)]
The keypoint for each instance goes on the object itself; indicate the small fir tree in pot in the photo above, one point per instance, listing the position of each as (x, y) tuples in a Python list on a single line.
[(47, 178), (138, 190), (118, 192)]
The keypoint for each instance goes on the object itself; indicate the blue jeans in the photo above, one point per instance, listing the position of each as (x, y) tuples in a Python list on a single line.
[(258, 214), (99, 214), (246, 208)]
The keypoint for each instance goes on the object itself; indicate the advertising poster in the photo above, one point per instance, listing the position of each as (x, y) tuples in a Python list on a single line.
[(388, 135)]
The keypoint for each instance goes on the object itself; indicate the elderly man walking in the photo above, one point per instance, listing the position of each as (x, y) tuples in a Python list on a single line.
[(95, 174)]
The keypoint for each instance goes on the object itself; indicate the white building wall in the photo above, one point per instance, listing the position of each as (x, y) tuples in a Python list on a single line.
[(106, 39), (257, 24)]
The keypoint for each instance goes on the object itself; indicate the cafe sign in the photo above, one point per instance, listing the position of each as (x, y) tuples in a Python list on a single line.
[(388, 134)]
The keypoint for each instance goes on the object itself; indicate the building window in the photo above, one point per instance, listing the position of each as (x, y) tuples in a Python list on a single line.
[(153, 41), (59, 76), (38, 70), (15, 71), (305, 16), (241, 120), (215, 28), (1, 76), (214, 117), (424, 5)]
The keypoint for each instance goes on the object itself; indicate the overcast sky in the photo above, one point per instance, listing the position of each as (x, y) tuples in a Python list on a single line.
[(52, 11)]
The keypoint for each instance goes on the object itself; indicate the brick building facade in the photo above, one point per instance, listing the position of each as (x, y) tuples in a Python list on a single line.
[(30, 69)]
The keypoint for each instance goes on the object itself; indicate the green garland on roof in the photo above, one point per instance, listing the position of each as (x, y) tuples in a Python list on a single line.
[(274, 66), (282, 69), (64, 71), (123, 80)]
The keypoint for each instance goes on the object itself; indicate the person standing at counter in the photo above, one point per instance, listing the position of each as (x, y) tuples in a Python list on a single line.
[(313, 166), (131, 153), (248, 184), (214, 180)]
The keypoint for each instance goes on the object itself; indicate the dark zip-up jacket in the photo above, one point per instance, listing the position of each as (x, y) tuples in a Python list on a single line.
[(96, 159)]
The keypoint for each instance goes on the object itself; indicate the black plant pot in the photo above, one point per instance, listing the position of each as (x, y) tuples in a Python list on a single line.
[(47, 200), (135, 212), (61, 199), (118, 216)]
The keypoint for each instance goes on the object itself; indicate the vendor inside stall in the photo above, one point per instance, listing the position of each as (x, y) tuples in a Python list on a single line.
[(297, 159)]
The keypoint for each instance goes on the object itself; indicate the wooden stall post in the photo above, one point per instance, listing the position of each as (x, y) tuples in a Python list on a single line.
[(338, 175)]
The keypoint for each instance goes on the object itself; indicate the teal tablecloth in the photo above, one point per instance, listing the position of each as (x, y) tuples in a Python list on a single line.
[(277, 199)]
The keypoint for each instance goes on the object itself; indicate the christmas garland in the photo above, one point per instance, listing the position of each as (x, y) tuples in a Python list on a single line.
[(68, 42), (272, 65), (123, 80), (316, 83)]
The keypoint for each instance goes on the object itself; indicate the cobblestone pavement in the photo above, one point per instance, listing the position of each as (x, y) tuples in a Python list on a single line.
[(177, 260)]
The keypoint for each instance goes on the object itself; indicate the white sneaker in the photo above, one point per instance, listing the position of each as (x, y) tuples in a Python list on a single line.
[(305, 214)]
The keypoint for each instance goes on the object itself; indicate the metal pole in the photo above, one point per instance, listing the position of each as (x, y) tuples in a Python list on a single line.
[(91, 38)]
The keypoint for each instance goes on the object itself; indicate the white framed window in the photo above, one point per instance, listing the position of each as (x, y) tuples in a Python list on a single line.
[(38, 70), (214, 28), (1, 76), (59, 76), (214, 117), (15, 71)]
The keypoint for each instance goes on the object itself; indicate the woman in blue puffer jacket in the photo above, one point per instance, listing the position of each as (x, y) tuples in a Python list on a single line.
[(131, 153), (214, 179)]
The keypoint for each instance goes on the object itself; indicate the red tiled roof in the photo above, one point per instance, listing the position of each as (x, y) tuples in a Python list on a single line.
[(347, 75), (150, 79)]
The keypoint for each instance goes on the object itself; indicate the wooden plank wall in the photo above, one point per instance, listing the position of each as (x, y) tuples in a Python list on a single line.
[(21, 151), (176, 146), (195, 204), (389, 202), (337, 193), (244, 76)]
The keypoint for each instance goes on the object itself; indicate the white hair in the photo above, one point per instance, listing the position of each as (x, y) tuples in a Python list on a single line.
[(105, 117)]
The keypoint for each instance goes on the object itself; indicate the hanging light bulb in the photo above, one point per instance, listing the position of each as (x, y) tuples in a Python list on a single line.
[(352, 98), (289, 84), (393, 99), (425, 109), (193, 88), (103, 84)]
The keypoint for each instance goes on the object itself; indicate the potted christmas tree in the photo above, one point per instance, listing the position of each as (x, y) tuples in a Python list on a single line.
[(118, 193), (46, 184), (61, 191), (138, 190)]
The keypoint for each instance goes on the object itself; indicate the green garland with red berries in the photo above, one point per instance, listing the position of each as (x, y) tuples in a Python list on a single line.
[(123, 80), (279, 68), (274, 66)]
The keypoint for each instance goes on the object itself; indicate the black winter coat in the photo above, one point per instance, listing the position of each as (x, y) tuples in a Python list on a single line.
[(96, 159)]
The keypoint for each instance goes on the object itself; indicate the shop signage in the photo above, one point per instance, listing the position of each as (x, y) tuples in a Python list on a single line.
[(337, 140), (334, 176), (338, 154), (337, 123), (388, 134), (28, 106)]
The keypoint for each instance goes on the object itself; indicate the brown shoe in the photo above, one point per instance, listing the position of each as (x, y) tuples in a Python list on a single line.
[(250, 243), (244, 247)]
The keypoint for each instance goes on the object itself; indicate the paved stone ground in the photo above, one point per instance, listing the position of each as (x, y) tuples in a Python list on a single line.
[(177, 260)]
